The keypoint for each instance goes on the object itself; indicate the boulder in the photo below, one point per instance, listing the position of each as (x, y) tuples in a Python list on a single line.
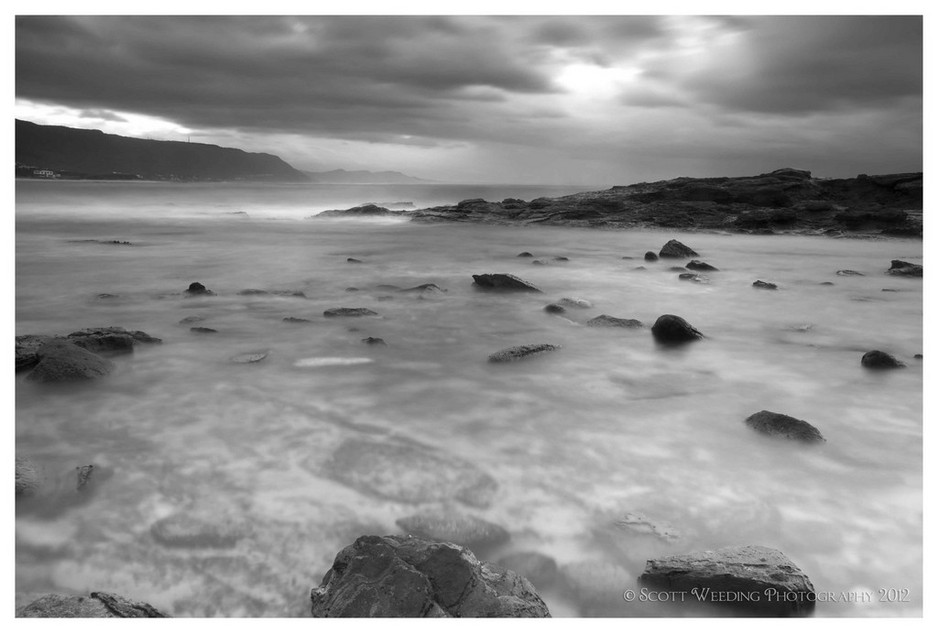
[(604, 320), (524, 254), (97, 605), (196, 530), (651, 257), (62, 361), (398, 576), (696, 264), (750, 578), (781, 425), (676, 250), (503, 281), (573, 302), (671, 329), (349, 312), (521, 351), (110, 340), (455, 527), (195, 289), (699, 279), (876, 359), (906, 269), (554, 308), (410, 473), (540, 569), (765, 285), (27, 477), (27, 350)]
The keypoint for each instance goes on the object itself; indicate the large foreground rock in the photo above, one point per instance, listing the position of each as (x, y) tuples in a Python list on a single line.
[(398, 576), (751, 578), (27, 350), (62, 361), (97, 605), (671, 329), (504, 281), (781, 425), (455, 527), (905, 269), (410, 473), (676, 250), (520, 352)]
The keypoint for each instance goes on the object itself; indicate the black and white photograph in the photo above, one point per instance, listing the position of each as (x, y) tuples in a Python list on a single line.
[(462, 312)]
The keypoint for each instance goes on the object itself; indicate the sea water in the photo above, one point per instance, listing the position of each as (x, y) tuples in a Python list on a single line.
[(610, 424)]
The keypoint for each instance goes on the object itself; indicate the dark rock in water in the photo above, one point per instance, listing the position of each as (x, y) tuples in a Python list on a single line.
[(503, 281), (61, 361), (27, 477), (455, 527), (363, 210), (27, 348), (826, 283), (351, 289), (604, 320), (677, 269), (918, 356), (195, 288), (554, 308), (730, 575), (539, 569), (110, 340), (252, 291), (765, 285), (781, 425), (699, 279), (906, 269), (391, 205), (696, 264), (561, 258), (398, 576), (371, 340), (410, 473), (248, 357), (573, 302), (193, 530), (203, 330), (524, 254), (352, 260), (676, 250), (639, 268), (651, 257), (106, 295), (296, 320), (538, 262), (97, 605), (850, 273), (83, 476), (880, 360), (432, 288), (191, 319), (521, 351), (349, 312), (671, 329)]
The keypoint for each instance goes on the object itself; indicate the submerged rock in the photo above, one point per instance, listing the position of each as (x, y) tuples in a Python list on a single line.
[(349, 312), (97, 605), (561, 258), (764, 285), (433, 288), (781, 425), (672, 329), (521, 351), (849, 273), (554, 308), (63, 361), (651, 257), (397, 576), (410, 473), (696, 264), (906, 269), (676, 250), (203, 330), (455, 527), (371, 340), (540, 569), (538, 262), (604, 320), (699, 279), (27, 477), (191, 319), (195, 288), (503, 281), (638, 523), (248, 357), (352, 260), (573, 302), (291, 319), (193, 530), (751, 578), (524, 254), (112, 340), (876, 359)]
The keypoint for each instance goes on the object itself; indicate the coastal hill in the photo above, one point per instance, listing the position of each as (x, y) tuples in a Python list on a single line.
[(785, 200), (75, 153)]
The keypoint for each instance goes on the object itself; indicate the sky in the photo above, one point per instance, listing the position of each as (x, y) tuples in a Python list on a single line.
[(563, 99)]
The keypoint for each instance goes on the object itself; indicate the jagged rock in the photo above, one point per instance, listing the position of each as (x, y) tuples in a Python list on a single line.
[(196, 530), (195, 288), (730, 575), (371, 340), (410, 473), (110, 340), (455, 527), (781, 425), (291, 319), (524, 254), (97, 605), (676, 250), (503, 281), (397, 576), (554, 308), (699, 279), (651, 257), (672, 329), (696, 264), (27, 350), (248, 357), (521, 351), (850, 273), (203, 330), (604, 320), (765, 285), (906, 269), (573, 302), (61, 360), (539, 569), (349, 312), (27, 477), (880, 360)]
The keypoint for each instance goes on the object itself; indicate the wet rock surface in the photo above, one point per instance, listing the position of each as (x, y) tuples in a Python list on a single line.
[(197, 289), (670, 329), (503, 282), (520, 352), (674, 249), (455, 527), (554, 308), (395, 576), (63, 361), (781, 425), (97, 605), (764, 285), (651, 256), (876, 359), (696, 264), (905, 269), (574, 302), (604, 320), (110, 340)]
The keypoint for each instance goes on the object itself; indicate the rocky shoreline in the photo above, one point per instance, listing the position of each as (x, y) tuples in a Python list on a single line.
[(785, 201)]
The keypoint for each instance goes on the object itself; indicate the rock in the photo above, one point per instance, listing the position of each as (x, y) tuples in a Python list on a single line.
[(424, 288), (676, 250), (371, 340), (396, 576), (918, 356), (194, 530), (203, 330), (850, 273), (573, 302), (351, 289), (503, 281), (677, 269), (97, 605), (195, 288), (561, 258), (538, 262), (248, 357), (651, 257), (696, 264), (765, 285), (640, 524), (83, 476), (824, 283), (252, 291), (27, 350), (521, 351), (554, 308), (352, 260), (671, 329), (781, 425), (27, 477), (291, 319), (880, 360), (110, 340), (906, 269), (191, 319), (730, 575), (524, 254), (455, 527), (363, 210), (349, 312), (61, 361), (639, 268), (604, 320), (700, 279), (539, 569), (410, 473)]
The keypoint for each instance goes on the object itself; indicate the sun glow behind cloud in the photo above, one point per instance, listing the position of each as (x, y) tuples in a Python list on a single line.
[(596, 82), (106, 120)]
